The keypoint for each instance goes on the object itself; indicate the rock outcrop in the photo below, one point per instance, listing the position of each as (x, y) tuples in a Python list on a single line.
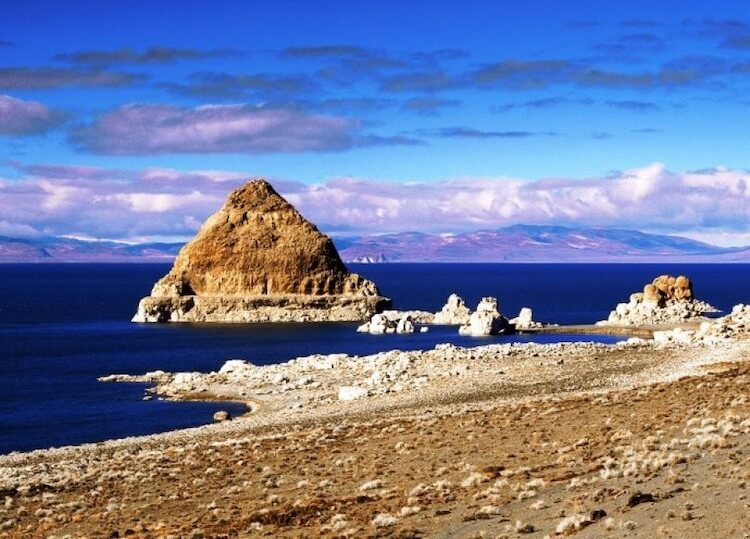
[(667, 299), (735, 325), (396, 322), (525, 320), (486, 320), (454, 312), (258, 260)]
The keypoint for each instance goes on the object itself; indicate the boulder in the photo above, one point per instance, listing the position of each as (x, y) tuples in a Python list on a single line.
[(405, 325), (486, 320), (388, 322), (683, 288), (525, 320), (667, 299), (237, 369), (676, 335), (418, 317), (454, 312), (379, 324), (256, 260), (653, 294), (222, 415)]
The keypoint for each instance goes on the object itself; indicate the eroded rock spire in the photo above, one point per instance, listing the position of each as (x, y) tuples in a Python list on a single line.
[(258, 259)]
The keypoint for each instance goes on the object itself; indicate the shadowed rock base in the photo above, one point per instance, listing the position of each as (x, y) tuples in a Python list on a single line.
[(282, 308)]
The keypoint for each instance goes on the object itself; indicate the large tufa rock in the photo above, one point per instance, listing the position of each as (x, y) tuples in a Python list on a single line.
[(667, 299), (486, 320), (454, 312), (255, 260), (666, 288), (525, 320)]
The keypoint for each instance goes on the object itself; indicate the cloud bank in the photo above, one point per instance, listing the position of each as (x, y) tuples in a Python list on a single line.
[(151, 55), (36, 78), (21, 118), (166, 129), (158, 203)]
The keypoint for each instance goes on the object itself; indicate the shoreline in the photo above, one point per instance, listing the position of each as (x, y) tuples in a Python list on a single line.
[(450, 441), (254, 405), (239, 423)]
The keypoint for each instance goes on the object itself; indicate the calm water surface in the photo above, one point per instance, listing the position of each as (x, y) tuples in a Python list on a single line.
[(62, 326)]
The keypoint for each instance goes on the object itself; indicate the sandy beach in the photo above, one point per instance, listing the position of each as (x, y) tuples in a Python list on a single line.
[(637, 439)]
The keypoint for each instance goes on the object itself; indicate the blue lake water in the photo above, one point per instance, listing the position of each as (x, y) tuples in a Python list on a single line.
[(63, 325)]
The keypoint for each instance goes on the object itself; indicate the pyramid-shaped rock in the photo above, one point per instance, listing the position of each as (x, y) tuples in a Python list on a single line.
[(256, 260)]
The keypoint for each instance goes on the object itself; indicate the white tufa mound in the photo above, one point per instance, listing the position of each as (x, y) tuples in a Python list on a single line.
[(732, 326), (486, 320), (525, 320), (454, 312), (666, 300), (396, 322)]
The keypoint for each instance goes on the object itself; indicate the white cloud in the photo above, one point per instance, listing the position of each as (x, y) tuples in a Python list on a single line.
[(712, 204), (161, 202)]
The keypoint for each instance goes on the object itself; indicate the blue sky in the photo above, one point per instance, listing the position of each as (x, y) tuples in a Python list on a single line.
[(322, 95)]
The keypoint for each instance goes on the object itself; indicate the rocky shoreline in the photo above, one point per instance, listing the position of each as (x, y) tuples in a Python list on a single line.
[(632, 439), (319, 380)]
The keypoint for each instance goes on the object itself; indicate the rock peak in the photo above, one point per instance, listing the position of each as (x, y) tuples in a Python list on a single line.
[(258, 195), (259, 246), (255, 187)]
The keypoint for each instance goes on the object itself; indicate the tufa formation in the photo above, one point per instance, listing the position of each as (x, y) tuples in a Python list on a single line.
[(486, 320), (258, 260), (666, 300), (667, 288)]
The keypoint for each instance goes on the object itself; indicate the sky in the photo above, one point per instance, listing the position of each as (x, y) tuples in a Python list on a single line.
[(133, 120)]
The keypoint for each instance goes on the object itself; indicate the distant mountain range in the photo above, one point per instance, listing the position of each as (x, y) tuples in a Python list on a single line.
[(531, 243), (519, 243), (57, 249)]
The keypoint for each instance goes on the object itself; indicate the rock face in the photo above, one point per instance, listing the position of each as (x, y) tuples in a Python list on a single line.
[(486, 320), (256, 260), (667, 299), (454, 312)]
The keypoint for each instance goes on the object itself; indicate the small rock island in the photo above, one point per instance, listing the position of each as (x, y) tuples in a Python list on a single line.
[(668, 299), (259, 260)]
